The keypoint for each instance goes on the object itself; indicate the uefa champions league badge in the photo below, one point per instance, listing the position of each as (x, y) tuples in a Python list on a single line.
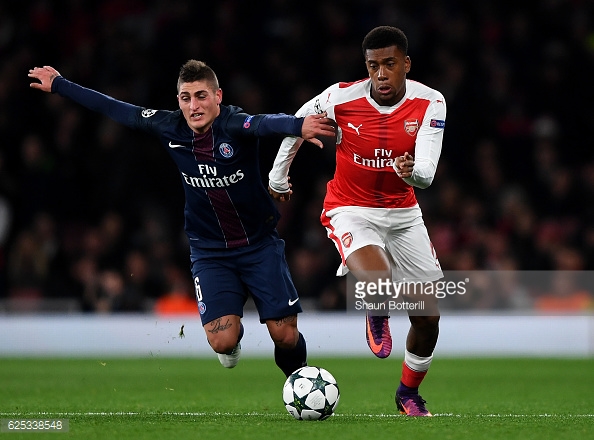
[(201, 307), (148, 112), (437, 123), (226, 150)]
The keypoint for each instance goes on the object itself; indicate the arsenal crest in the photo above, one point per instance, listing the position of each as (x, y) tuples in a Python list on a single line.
[(411, 126), (347, 239)]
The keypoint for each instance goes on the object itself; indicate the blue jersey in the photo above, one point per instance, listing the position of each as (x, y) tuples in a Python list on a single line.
[(227, 204)]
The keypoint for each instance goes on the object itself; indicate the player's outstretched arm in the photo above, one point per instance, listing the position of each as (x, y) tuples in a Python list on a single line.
[(45, 75), (51, 81), (315, 126)]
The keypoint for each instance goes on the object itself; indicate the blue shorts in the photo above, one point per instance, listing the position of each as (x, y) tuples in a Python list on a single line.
[(223, 279)]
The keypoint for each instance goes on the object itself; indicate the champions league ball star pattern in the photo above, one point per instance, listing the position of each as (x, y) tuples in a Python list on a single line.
[(311, 393)]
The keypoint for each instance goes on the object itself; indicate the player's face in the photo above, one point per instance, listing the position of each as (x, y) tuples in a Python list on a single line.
[(387, 68), (199, 104)]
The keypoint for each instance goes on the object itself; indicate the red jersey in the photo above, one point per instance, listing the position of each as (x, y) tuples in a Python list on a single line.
[(370, 137)]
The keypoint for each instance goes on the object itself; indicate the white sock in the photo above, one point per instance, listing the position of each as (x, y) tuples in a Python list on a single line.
[(417, 363)]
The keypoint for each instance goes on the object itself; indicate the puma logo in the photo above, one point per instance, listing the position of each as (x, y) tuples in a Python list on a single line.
[(355, 128)]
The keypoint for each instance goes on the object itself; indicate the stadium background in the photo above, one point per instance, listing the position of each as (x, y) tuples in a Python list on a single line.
[(91, 213)]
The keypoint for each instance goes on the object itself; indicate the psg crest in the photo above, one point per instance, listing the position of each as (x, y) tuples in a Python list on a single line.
[(226, 150)]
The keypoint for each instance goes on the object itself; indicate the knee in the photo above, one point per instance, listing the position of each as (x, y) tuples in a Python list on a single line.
[(222, 344), (223, 333)]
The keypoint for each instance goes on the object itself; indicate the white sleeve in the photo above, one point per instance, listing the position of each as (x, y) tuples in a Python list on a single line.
[(428, 145), (279, 174)]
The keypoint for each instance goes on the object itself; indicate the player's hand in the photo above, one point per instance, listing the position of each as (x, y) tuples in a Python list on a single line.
[(315, 126), (281, 197), (45, 75), (404, 165)]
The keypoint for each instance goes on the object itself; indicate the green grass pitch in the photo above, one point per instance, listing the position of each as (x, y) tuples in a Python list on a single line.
[(160, 398)]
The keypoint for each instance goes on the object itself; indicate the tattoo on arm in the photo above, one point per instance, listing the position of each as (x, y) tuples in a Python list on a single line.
[(217, 326)]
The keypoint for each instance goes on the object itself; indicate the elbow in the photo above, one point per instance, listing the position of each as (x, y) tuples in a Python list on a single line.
[(422, 175), (424, 183), (419, 182)]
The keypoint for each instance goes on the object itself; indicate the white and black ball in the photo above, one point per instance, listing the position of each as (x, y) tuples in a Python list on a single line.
[(311, 393)]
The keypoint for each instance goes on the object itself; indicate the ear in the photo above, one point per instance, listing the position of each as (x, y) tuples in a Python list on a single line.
[(407, 63), (219, 94)]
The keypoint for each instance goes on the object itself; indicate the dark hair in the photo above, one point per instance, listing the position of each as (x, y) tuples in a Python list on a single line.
[(194, 70), (385, 36)]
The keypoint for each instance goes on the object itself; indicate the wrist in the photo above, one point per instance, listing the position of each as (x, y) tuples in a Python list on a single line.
[(279, 187)]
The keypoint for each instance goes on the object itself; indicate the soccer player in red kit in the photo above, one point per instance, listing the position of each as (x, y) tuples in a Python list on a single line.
[(389, 139)]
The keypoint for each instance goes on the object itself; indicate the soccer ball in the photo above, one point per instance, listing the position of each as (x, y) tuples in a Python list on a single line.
[(311, 393)]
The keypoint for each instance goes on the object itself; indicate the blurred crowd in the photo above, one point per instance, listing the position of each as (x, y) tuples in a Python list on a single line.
[(92, 212)]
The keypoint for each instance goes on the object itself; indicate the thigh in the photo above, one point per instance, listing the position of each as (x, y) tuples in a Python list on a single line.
[(370, 263), (265, 273), (218, 287), (413, 255), (350, 231)]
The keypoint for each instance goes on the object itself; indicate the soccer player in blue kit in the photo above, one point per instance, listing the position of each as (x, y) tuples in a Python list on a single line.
[(230, 219)]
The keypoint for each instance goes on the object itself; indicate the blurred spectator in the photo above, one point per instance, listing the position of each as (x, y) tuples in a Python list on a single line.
[(35, 179), (84, 276), (148, 281), (107, 293), (179, 297), (564, 291), (333, 296), (5, 224), (28, 267)]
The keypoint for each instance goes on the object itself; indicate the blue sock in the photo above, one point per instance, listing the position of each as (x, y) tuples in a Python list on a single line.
[(293, 358)]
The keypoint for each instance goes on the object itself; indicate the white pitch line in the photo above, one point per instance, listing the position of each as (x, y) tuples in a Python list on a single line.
[(256, 414)]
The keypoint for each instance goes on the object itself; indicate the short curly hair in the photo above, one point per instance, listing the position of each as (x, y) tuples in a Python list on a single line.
[(385, 36)]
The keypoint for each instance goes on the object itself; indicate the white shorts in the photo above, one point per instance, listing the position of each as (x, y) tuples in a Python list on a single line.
[(401, 232)]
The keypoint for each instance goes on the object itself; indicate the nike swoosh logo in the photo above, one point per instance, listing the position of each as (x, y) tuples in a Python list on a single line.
[(175, 145), (293, 301), (376, 348)]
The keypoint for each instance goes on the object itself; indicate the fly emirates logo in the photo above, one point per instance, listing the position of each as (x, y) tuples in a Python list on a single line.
[(210, 179), (383, 159)]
